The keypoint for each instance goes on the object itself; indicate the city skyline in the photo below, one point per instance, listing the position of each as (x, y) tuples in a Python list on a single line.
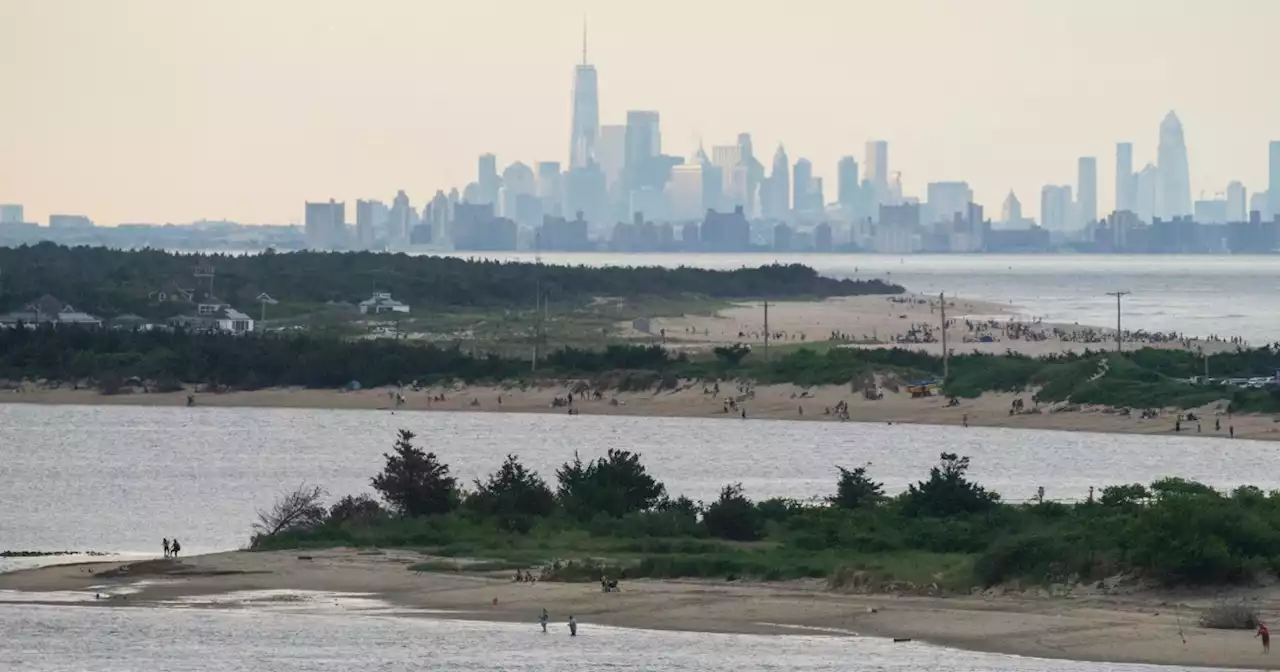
[(194, 153)]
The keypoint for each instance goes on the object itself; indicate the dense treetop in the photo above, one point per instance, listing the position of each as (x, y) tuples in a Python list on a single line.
[(110, 282)]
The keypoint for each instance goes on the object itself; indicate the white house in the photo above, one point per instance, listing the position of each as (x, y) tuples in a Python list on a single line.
[(213, 314), (49, 310), (381, 302)]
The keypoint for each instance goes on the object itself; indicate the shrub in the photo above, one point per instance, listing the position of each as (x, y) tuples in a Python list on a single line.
[(947, 492), (1230, 617), (733, 516), (856, 490), (415, 483)]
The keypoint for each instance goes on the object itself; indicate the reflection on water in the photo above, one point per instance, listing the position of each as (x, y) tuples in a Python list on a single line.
[(62, 639), (121, 478)]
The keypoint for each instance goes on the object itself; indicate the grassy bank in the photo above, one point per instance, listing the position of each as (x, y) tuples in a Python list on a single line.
[(944, 534)]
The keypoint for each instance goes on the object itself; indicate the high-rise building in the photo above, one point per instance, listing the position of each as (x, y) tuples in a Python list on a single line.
[(801, 186), (733, 185), (1174, 199), (1146, 191), (751, 172), (11, 214), (1237, 203), (685, 191), (946, 200), (368, 224), (780, 186), (1055, 207), (487, 178), (1273, 181), (611, 152), (518, 185), (1211, 211), (847, 183), (877, 167), (324, 225), (1011, 214), (643, 144), (1124, 176), (586, 113), (1087, 190), (70, 222), (551, 188), (400, 218), (1258, 203)]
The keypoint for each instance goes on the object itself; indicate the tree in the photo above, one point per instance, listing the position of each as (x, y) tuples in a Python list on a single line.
[(514, 495), (1124, 495), (614, 485), (855, 490), (299, 509), (360, 510), (733, 516), (947, 492), (731, 356), (415, 483)]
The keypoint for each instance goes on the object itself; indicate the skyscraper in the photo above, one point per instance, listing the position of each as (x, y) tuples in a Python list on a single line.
[(11, 214), (1087, 190), (801, 188), (325, 225), (752, 172), (586, 112), (551, 188), (780, 185), (1174, 199), (643, 143), (487, 178), (611, 152), (1012, 211), (847, 183), (946, 200), (1124, 176), (1055, 207), (1237, 203), (1273, 181), (877, 167), (1146, 192)]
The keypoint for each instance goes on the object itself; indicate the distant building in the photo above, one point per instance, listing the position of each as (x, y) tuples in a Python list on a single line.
[(381, 302), (877, 168), (325, 225), (775, 196), (1087, 191), (1055, 207), (947, 200), (11, 214), (1146, 192), (1237, 203), (558, 234), (802, 187), (898, 228), (371, 219), (213, 314), (49, 310), (822, 238), (611, 153), (1174, 194), (551, 187), (685, 191), (725, 232), (586, 114), (847, 183), (70, 222), (518, 182), (1211, 211), (487, 181), (1273, 180), (1124, 177), (400, 219), (1011, 213), (782, 238)]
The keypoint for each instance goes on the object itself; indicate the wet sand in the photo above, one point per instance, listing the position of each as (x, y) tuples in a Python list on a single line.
[(1145, 627)]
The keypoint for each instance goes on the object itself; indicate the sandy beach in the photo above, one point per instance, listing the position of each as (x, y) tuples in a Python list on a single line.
[(1137, 627), (768, 402)]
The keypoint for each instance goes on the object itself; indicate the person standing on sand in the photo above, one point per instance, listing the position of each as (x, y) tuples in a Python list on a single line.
[(174, 548), (543, 619), (166, 547), (1265, 634), (573, 627)]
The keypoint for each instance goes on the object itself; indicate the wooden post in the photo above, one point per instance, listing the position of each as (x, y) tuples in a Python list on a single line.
[(946, 356)]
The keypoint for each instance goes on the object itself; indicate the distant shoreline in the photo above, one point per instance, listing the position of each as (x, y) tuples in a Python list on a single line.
[(770, 402), (1087, 626)]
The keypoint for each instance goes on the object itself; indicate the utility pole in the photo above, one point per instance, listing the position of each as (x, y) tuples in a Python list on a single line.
[(538, 300), (946, 356), (1119, 334), (766, 331)]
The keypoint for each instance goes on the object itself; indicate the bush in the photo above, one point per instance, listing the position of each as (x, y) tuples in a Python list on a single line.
[(947, 492), (733, 516), (513, 495), (1230, 617), (855, 490), (615, 485)]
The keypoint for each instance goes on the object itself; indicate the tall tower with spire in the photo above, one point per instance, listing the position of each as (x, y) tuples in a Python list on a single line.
[(586, 111)]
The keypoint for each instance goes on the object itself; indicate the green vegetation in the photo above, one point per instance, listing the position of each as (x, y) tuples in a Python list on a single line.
[(110, 282), (1147, 378), (945, 533)]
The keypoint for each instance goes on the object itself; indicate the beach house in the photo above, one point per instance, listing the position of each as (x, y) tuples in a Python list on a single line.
[(49, 310), (381, 302)]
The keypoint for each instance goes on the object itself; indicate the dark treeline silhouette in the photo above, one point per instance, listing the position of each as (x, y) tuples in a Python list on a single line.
[(1175, 531), (111, 282)]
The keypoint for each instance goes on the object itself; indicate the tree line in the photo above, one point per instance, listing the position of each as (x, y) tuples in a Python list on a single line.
[(110, 282), (1175, 531)]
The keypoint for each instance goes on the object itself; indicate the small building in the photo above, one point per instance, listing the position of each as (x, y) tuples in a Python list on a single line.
[(381, 302), (49, 310), (213, 314)]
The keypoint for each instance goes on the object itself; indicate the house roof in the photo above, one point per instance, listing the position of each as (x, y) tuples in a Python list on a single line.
[(381, 301)]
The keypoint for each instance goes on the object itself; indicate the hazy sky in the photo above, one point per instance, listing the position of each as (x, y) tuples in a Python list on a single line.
[(173, 110)]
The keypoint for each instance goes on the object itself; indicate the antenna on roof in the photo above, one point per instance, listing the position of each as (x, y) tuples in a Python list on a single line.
[(584, 39)]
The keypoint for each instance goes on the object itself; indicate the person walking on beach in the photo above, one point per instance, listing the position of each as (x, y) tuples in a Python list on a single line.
[(573, 627), (166, 547), (174, 548), (543, 619), (1265, 634)]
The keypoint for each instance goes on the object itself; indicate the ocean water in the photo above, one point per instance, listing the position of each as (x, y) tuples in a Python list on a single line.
[(118, 479), (1197, 295), (70, 638)]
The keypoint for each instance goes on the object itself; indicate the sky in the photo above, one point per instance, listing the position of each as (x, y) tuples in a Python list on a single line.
[(171, 111)]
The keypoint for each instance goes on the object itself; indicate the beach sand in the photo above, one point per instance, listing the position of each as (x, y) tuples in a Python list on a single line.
[(769, 402), (1143, 627)]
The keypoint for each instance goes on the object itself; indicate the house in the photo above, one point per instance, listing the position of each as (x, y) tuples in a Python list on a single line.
[(49, 310), (381, 302), (214, 314)]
